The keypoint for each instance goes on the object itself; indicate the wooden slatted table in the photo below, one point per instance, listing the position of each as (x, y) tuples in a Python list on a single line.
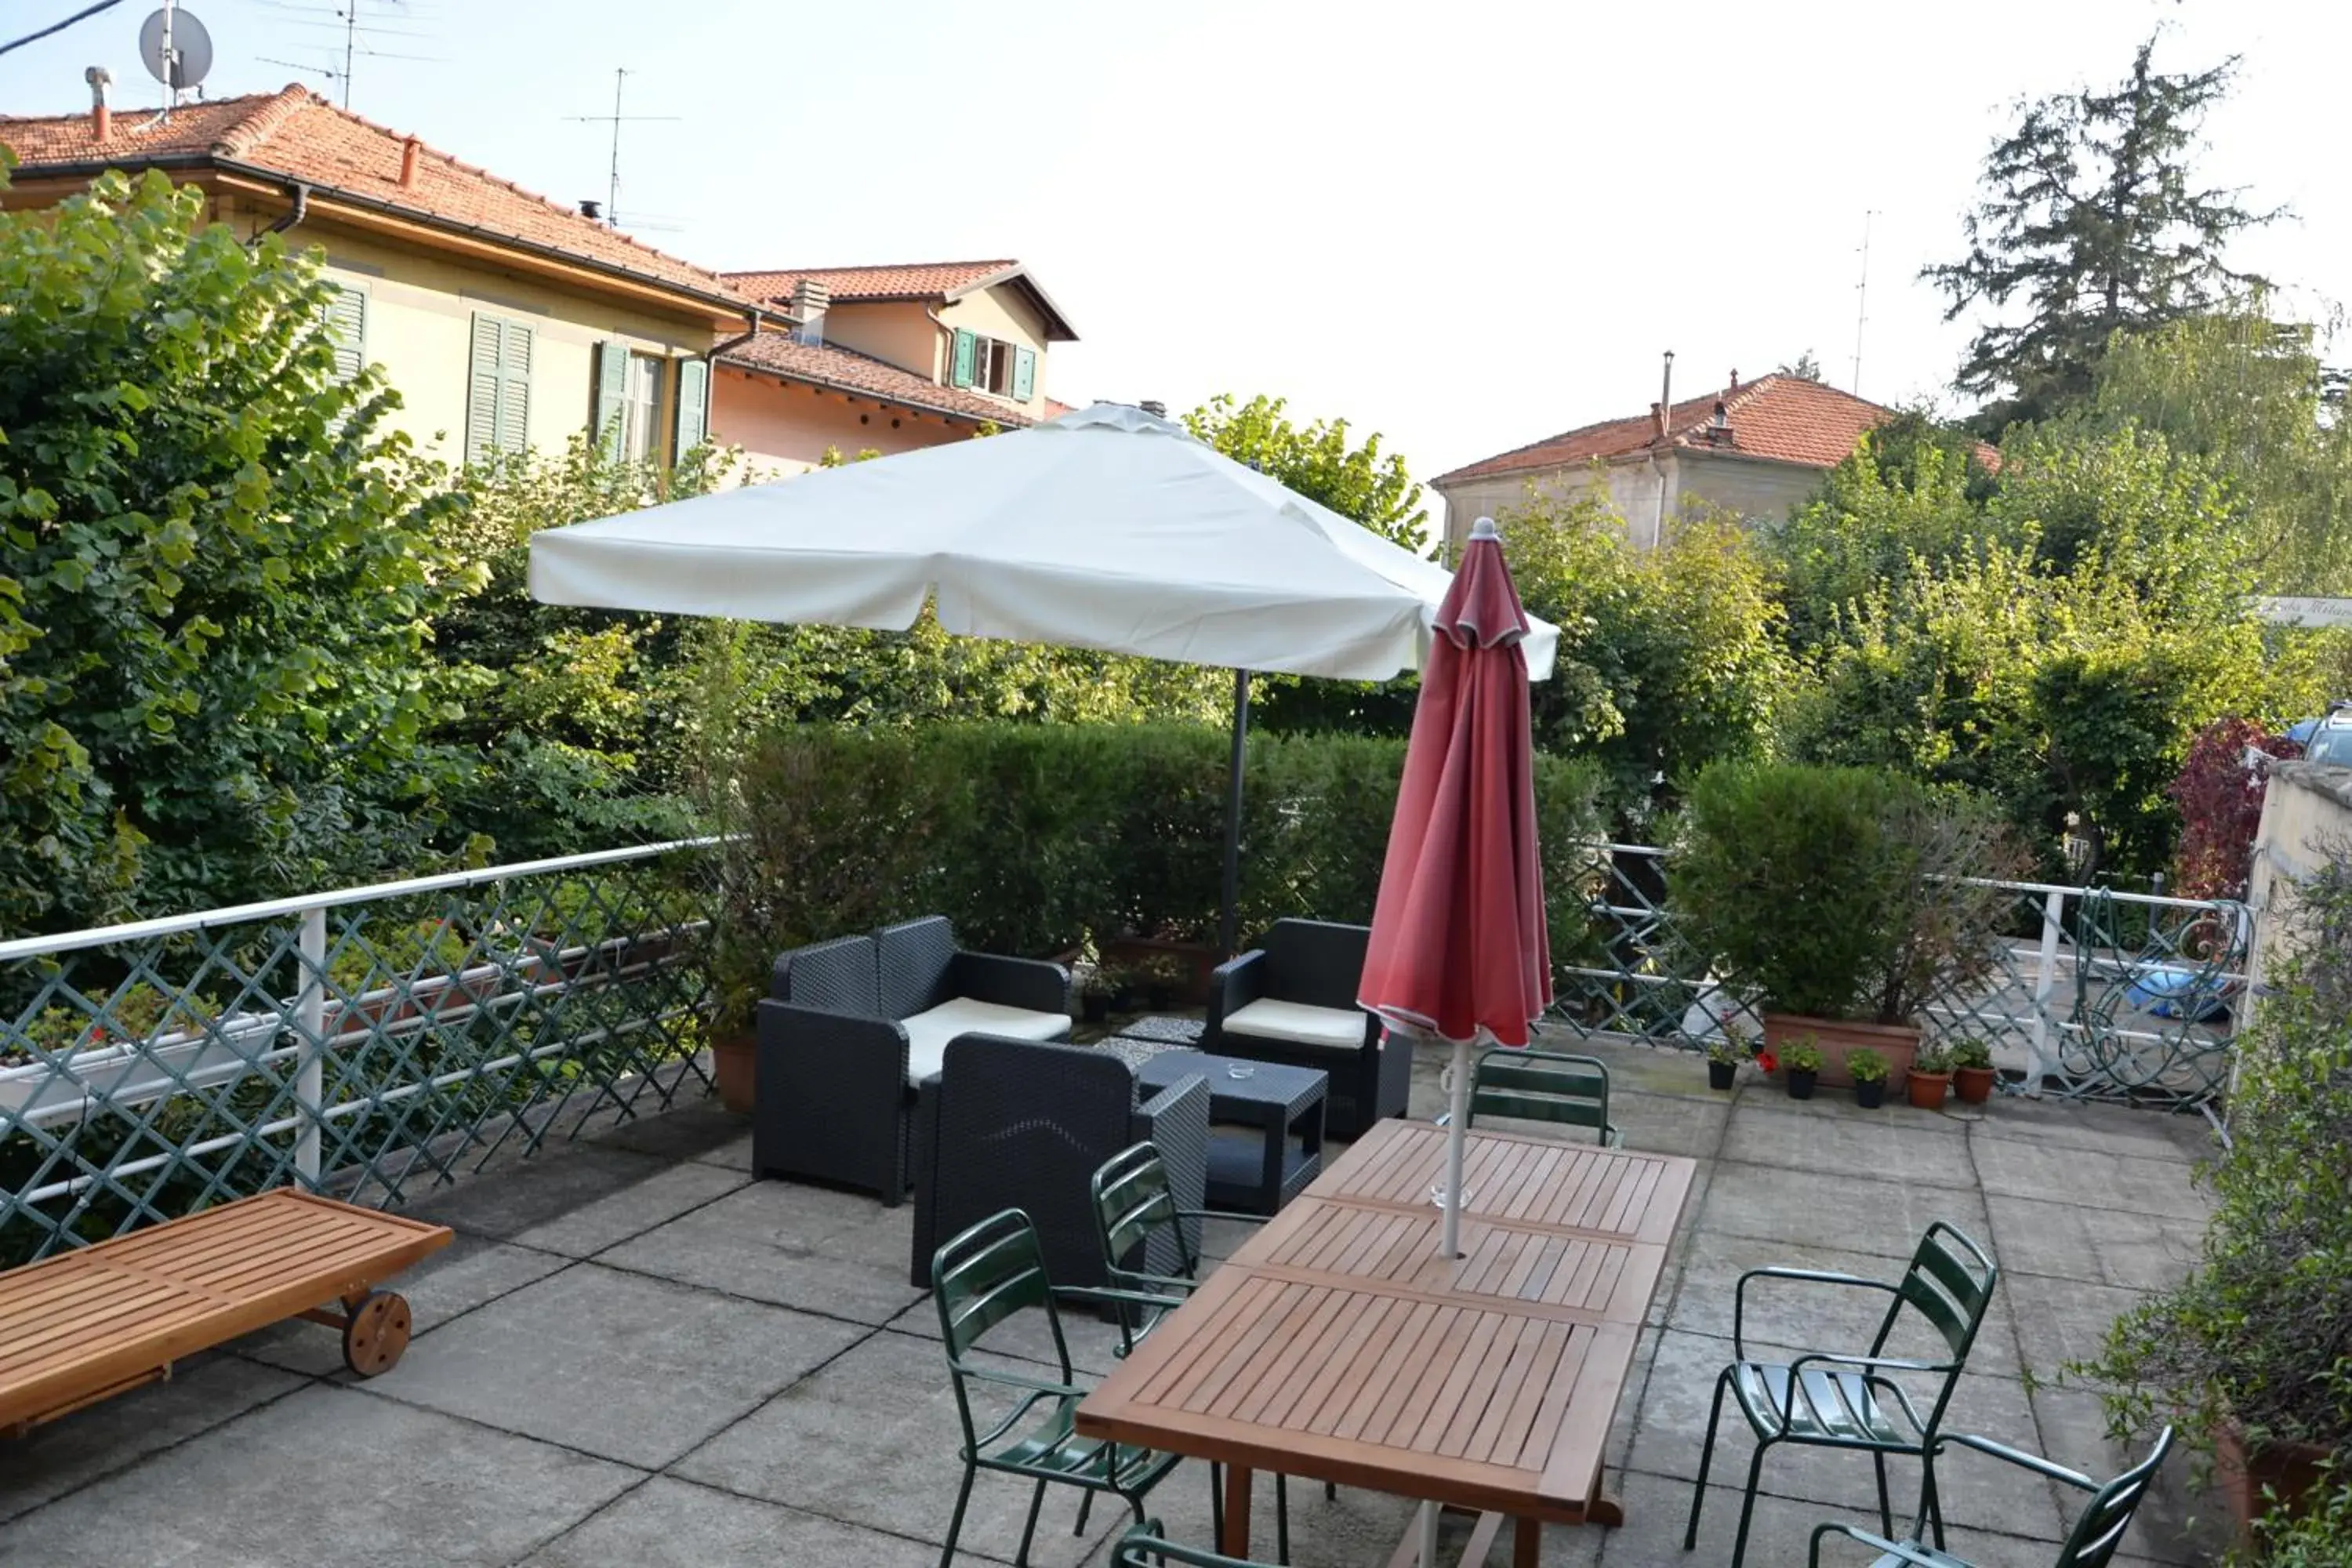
[(1336, 1344), (83, 1326)]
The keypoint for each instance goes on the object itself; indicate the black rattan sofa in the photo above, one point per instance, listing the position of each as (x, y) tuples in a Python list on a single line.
[(1292, 1000)]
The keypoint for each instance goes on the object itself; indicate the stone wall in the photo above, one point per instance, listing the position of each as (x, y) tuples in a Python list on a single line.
[(2306, 817)]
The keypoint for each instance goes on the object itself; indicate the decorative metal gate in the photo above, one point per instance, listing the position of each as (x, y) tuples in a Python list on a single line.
[(364, 1042)]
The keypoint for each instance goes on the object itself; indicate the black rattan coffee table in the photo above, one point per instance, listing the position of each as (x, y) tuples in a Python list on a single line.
[(1258, 1169)]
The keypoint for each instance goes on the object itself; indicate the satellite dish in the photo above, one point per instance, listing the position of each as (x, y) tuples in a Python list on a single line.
[(192, 47)]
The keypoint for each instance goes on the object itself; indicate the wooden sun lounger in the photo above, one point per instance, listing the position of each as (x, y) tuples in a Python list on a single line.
[(85, 1326)]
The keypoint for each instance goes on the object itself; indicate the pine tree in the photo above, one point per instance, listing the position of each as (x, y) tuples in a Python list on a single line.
[(2093, 220)]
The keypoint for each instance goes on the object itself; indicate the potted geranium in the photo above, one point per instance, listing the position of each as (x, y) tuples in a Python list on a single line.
[(1972, 1069), (1723, 1059), (1803, 1058), (1843, 899), (1930, 1078), (1868, 1070)]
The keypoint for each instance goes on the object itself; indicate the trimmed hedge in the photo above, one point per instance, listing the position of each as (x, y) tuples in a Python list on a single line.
[(1031, 836)]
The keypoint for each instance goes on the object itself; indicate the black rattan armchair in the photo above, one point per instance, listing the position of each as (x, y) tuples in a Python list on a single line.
[(1293, 1000)]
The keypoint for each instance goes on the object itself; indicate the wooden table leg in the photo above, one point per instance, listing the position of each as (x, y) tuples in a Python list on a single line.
[(1526, 1542), (1236, 1542), (1606, 1511)]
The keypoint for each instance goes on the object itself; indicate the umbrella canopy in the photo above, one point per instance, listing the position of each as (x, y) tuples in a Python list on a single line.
[(1458, 947), (1108, 528)]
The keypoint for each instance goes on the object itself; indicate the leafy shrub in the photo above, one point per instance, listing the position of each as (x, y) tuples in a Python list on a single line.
[(1838, 893), (2221, 802)]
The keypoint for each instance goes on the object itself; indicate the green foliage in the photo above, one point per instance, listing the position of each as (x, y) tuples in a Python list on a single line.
[(1864, 1065), (2261, 1331), (2094, 221), (1355, 482), (1669, 659), (1034, 838), (1802, 1055), (1932, 1060), (218, 571), (1969, 1051), (1837, 892)]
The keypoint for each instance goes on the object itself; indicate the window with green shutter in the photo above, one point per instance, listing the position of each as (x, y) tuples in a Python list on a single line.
[(1024, 374), (966, 345), (608, 418), (498, 389), (693, 405), (346, 316)]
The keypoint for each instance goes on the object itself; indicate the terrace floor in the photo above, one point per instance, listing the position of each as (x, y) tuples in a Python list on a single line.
[(634, 1354)]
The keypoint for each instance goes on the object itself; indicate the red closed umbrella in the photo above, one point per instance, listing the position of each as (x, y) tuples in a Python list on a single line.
[(1458, 947)]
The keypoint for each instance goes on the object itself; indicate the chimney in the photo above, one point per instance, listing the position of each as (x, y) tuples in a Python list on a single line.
[(593, 209), (101, 116), (1718, 429), (1657, 421), (1734, 382), (408, 151), (811, 300), (1154, 407)]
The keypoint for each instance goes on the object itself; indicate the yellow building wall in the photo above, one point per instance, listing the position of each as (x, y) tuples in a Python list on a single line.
[(784, 427), (897, 331)]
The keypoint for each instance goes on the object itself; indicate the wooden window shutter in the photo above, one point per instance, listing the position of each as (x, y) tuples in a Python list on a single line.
[(608, 417), (482, 391), (966, 346), (1024, 374), (514, 387), (693, 405), (346, 316)]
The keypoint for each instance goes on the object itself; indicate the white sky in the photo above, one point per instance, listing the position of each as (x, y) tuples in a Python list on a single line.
[(1465, 225)]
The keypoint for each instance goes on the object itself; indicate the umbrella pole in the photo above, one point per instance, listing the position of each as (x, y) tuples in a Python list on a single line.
[(1456, 1135), (1429, 1535), (1229, 917)]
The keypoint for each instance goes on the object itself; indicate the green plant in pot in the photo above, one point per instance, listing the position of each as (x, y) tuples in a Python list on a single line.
[(1868, 1067), (1802, 1058), (1930, 1078), (2251, 1354), (1166, 977), (1973, 1074), (1843, 899), (1723, 1058), (1096, 984)]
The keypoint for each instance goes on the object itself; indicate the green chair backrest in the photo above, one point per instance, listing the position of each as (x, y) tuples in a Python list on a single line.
[(1144, 1547), (986, 1275), (1132, 1203), (1950, 1283), (2098, 1535), (1540, 1086)]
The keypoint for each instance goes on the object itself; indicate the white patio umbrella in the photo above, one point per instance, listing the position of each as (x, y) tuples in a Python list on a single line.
[(1108, 528)]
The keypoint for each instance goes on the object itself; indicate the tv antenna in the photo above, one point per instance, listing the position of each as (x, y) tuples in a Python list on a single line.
[(350, 33), (176, 50), (616, 120), (1862, 302)]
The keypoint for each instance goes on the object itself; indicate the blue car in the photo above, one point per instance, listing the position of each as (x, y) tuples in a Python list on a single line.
[(2327, 739)]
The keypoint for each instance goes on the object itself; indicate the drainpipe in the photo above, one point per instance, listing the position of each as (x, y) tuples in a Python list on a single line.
[(298, 208), (1657, 464), (950, 331), (751, 318)]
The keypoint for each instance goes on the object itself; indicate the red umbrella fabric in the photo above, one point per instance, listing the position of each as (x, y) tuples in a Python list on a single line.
[(1458, 940)]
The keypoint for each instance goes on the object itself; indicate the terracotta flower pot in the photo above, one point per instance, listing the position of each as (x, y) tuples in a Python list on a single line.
[(735, 1065), (1836, 1037), (1928, 1089), (1973, 1085), (2290, 1470)]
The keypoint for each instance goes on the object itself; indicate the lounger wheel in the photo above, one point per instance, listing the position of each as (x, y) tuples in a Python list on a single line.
[(376, 1332)]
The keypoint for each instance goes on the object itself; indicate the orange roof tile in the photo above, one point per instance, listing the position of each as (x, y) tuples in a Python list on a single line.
[(848, 371), (299, 136), (1783, 417), (905, 280)]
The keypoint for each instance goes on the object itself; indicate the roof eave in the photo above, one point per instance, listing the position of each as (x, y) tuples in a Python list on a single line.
[(850, 389), (1058, 326)]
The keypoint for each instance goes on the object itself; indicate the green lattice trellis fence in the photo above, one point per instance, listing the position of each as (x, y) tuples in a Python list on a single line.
[(370, 1043)]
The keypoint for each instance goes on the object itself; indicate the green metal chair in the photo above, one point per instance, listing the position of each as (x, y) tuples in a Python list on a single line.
[(1541, 1086), (1136, 1216), (1825, 1400), (2094, 1541), (979, 1280), (1144, 1547)]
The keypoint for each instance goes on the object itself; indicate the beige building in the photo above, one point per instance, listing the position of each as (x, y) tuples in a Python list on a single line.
[(884, 358), (504, 321), (1755, 448)]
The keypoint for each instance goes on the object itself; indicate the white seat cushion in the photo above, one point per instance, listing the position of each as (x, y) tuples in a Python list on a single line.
[(928, 1034), (1328, 1029)]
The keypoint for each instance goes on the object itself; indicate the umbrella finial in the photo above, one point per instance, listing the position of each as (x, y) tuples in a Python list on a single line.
[(1483, 528)]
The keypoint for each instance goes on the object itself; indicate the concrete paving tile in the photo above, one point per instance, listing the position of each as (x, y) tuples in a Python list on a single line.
[(695, 1128), (2059, 1320), (1670, 1124), (872, 1440), (810, 1247), (2138, 1251), (1794, 1136), (2179, 1521), (2089, 1178), (672, 1190), (669, 1524), (325, 1475), (2051, 1123), (1780, 1534), (1672, 1435), (455, 1280), (204, 1391), (1806, 1211), (635, 1369), (513, 1195)]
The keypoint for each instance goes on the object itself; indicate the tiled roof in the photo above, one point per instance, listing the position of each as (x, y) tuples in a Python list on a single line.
[(910, 280), (827, 366), (300, 136), (1778, 417)]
